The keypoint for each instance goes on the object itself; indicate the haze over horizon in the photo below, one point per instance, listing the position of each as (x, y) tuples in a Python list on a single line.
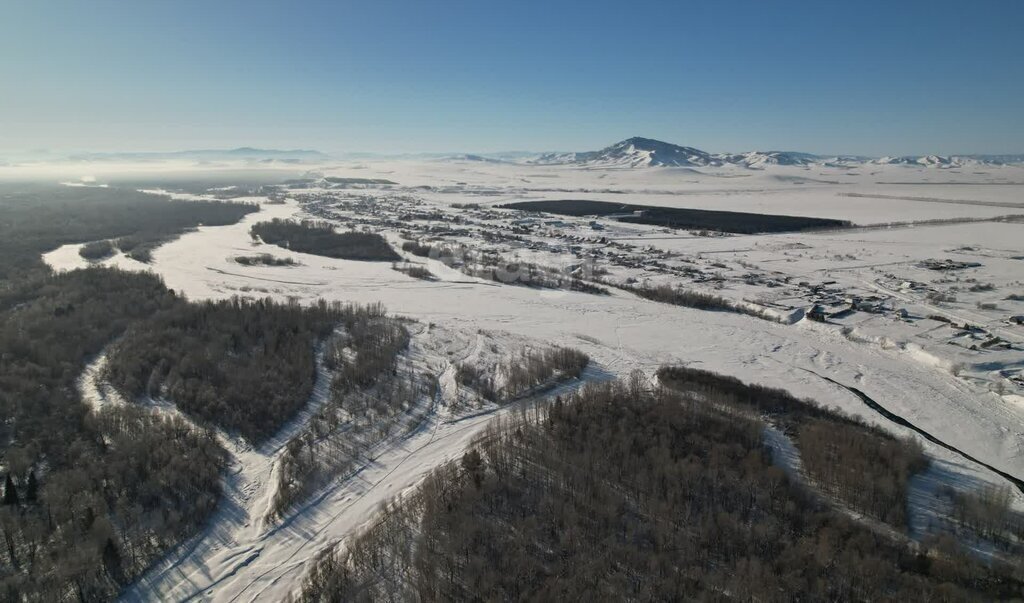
[(402, 77)]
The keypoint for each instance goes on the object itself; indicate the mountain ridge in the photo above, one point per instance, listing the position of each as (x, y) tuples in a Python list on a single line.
[(637, 151), (244, 153)]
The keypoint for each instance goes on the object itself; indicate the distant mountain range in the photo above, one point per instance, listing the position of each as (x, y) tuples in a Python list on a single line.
[(647, 152), (951, 160), (248, 154), (636, 152)]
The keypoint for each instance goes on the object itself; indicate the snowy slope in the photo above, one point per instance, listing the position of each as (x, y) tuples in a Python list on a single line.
[(635, 152)]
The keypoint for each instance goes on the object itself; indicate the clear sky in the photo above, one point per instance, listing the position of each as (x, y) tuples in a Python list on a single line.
[(866, 77)]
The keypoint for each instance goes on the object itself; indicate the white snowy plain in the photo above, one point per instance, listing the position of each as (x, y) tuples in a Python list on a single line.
[(238, 558)]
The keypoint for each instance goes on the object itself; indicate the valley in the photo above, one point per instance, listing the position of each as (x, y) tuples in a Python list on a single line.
[(904, 321)]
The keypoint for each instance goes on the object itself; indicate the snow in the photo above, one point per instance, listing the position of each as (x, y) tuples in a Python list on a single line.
[(66, 257), (908, 366)]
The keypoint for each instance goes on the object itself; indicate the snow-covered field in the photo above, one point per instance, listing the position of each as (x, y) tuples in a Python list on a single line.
[(962, 385)]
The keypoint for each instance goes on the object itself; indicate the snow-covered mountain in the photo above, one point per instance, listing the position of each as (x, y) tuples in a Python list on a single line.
[(647, 152), (763, 158), (948, 161), (923, 160), (635, 152), (997, 159)]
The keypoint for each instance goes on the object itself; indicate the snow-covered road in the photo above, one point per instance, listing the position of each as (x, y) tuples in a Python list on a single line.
[(241, 559), (249, 488)]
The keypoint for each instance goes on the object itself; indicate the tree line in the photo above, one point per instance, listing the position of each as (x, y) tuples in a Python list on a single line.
[(678, 296), (490, 266)]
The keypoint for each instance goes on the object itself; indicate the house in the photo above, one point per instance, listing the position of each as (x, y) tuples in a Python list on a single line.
[(818, 312), (842, 312)]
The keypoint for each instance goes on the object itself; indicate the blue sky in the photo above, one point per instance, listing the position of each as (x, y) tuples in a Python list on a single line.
[(822, 76)]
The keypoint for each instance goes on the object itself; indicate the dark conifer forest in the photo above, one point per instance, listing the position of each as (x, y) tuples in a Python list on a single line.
[(321, 238), (37, 218), (678, 217)]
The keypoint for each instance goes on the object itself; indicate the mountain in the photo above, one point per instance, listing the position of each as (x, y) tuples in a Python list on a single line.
[(469, 157), (951, 161), (635, 152), (922, 160), (247, 154), (755, 159), (997, 159), (647, 152)]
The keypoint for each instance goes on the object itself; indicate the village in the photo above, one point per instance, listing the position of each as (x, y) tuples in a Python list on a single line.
[(933, 304)]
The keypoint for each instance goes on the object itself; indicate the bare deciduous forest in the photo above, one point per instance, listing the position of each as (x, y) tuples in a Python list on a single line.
[(99, 496), (494, 268), (618, 493), (530, 371), (376, 392), (246, 367), (863, 466), (678, 296), (91, 499), (264, 259), (369, 393)]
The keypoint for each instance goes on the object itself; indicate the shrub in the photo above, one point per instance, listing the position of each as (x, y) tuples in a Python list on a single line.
[(97, 250), (264, 259)]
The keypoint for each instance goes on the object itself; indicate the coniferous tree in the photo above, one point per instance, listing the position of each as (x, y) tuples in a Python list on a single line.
[(31, 487), (10, 492), (473, 464), (112, 559)]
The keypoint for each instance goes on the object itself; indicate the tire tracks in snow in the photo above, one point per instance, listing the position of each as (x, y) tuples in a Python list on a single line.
[(453, 428)]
